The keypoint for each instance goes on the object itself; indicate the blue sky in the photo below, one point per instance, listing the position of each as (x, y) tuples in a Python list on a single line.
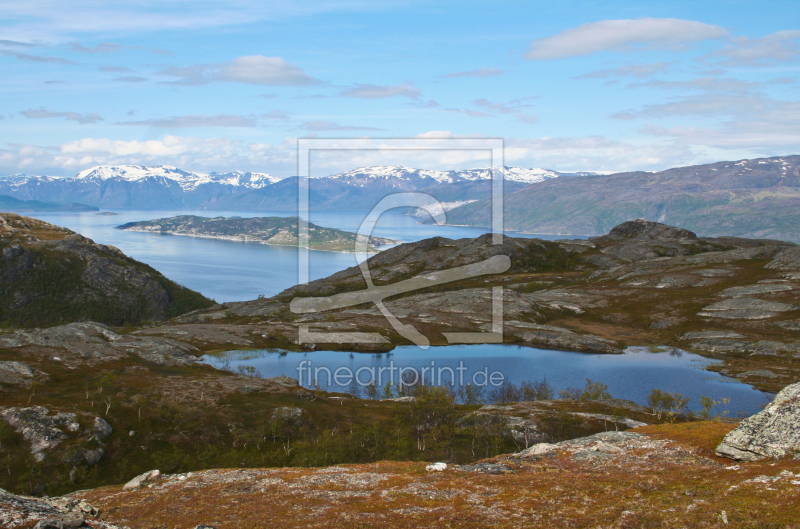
[(221, 86)]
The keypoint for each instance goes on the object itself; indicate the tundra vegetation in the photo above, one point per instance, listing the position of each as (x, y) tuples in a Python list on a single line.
[(642, 284)]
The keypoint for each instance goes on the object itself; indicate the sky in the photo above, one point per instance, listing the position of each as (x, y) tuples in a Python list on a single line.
[(221, 86)]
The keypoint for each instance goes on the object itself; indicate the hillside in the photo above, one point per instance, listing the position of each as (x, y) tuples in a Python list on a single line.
[(655, 476), (647, 284), (747, 198), (281, 231), (8, 203), (51, 275)]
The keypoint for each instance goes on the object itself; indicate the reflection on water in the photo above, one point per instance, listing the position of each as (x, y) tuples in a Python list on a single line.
[(629, 376)]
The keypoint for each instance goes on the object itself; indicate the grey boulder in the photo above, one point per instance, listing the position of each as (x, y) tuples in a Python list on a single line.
[(101, 428), (774, 432), (142, 479)]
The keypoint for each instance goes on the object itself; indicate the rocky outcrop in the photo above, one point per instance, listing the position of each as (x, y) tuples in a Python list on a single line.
[(48, 513), (94, 340), (12, 372), (646, 230), (44, 431), (774, 432), (571, 342)]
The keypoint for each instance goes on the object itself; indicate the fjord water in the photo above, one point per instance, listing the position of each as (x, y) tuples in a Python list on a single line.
[(236, 271), (631, 375)]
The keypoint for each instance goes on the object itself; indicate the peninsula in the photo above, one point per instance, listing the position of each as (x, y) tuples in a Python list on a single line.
[(282, 231)]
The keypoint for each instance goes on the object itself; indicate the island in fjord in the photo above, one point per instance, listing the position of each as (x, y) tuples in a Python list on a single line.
[(282, 231)]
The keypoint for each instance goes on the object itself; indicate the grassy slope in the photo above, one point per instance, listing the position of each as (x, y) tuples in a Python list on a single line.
[(682, 486)]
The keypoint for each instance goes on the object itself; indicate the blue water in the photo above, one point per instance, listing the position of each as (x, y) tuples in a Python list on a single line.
[(631, 375), (237, 271)]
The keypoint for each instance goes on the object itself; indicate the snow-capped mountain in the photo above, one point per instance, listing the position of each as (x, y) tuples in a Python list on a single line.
[(136, 187), (512, 174), (166, 187), (188, 180)]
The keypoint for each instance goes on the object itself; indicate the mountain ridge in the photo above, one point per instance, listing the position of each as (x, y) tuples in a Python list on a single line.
[(167, 187), (746, 198)]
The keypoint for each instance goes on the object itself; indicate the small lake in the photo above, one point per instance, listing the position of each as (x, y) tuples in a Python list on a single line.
[(631, 375), (238, 271)]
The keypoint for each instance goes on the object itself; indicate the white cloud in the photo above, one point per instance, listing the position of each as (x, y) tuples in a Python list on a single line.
[(204, 154), (41, 113), (276, 114), (514, 108), (35, 58), (51, 20), (713, 97), (103, 47), (483, 72), (779, 47), (621, 35), (326, 126), (252, 69), (371, 91), (270, 71), (761, 127), (633, 70), (595, 153), (222, 120), (119, 69), (131, 79)]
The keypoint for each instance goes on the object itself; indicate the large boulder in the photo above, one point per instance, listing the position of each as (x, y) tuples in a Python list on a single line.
[(774, 432), (142, 480), (101, 428), (645, 230)]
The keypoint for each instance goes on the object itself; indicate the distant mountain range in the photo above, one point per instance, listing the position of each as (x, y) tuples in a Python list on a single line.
[(15, 204), (163, 187), (135, 187), (747, 198)]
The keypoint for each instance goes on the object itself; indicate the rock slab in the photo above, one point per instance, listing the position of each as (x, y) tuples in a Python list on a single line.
[(774, 432)]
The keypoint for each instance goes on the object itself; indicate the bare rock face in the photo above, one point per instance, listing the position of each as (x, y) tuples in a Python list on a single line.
[(774, 432)]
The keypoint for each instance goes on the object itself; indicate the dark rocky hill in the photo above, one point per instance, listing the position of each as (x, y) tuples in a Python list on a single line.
[(8, 203), (51, 275), (748, 198)]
